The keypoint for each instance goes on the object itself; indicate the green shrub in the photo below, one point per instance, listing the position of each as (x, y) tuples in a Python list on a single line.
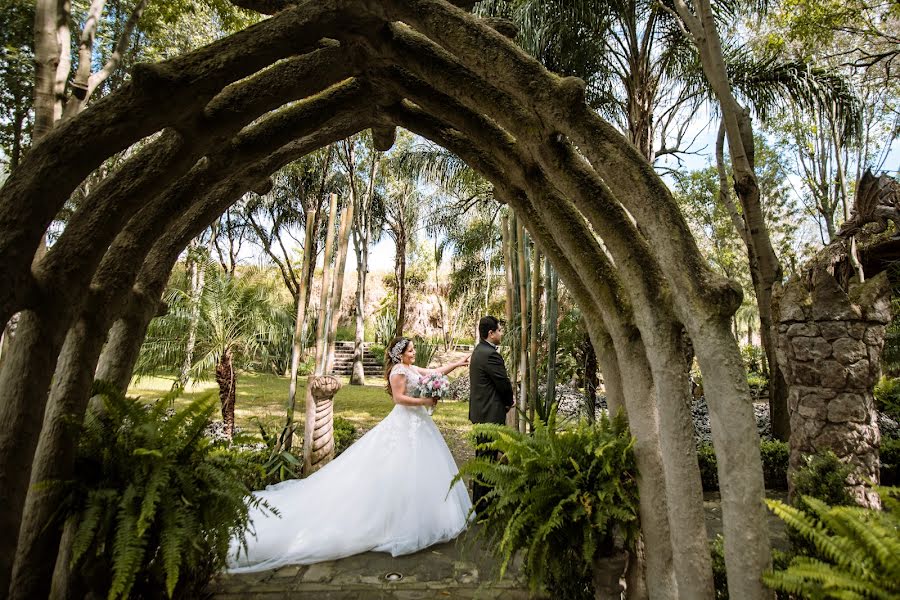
[(307, 366), (890, 461), (887, 397), (251, 463), (824, 477), (720, 580), (377, 351), (775, 457), (345, 333), (344, 434), (561, 499), (279, 464), (855, 548), (154, 501), (780, 560), (709, 477), (758, 385), (753, 357)]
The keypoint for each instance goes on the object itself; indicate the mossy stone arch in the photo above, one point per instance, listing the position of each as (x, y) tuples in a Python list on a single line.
[(333, 68)]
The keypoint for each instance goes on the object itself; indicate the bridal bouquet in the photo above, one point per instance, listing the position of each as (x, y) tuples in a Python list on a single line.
[(433, 386)]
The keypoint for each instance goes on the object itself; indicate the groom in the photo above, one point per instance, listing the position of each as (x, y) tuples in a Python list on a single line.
[(490, 392)]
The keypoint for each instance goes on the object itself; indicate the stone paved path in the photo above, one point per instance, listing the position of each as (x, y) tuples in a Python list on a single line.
[(460, 569)]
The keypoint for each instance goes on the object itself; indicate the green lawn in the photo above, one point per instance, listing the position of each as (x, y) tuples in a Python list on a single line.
[(264, 396)]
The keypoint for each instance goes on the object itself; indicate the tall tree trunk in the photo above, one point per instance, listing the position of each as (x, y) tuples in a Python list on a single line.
[(327, 290), (400, 270), (310, 273), (340, 266), (552, 329), (85, 83), (227, 380), (591, 379), (523, 323), (362, 231), (358, 374), (197, 271), (507, 226), (739, 133), (535, 328), (46, 61), (297, 345), (309, 465), (123, 344)]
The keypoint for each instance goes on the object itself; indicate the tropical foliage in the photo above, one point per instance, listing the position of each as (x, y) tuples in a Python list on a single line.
[(856, 548), (238, 324), (560, 498), (154, 503)]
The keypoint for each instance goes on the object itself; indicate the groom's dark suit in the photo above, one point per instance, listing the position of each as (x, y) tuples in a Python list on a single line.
[(490, 396)]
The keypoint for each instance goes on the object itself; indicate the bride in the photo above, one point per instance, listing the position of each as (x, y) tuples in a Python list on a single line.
[(388, 492)]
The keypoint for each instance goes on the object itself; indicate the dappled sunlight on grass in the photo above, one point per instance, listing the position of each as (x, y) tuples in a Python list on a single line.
[(264, 397)]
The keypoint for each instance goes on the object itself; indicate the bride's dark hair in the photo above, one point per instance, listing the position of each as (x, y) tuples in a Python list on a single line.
[(389, 361)]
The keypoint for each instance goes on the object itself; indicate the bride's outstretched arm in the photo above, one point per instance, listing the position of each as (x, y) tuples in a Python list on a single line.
[(398, 393), (463, 362)]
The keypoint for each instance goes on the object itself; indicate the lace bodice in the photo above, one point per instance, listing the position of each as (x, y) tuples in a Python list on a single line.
[(412, 378)]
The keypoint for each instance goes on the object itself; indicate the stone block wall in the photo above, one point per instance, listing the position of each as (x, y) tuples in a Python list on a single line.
[(830, 344)]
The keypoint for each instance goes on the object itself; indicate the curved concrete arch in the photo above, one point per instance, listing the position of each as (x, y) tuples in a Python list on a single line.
[(220, 120)]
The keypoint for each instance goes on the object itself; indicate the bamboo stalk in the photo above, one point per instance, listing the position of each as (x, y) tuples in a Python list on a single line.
[(340, 266), (310, 425), (297, 347), (325, 293), (535, 327), (523, 323), (506, 233), (552, 330)]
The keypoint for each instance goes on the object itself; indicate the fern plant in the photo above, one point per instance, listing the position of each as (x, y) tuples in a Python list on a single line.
[(155, 503), (563, 499), (857, 550)]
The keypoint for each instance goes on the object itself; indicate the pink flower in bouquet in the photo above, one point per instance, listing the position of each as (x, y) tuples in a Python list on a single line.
[(433, 386)]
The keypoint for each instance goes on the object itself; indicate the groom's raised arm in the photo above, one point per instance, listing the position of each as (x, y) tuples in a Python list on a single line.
[(496, 370)]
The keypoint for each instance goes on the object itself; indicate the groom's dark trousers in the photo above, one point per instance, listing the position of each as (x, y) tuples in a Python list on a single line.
[(490, 396)]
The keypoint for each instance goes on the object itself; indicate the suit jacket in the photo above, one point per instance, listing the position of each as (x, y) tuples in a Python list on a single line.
[(490, 391)]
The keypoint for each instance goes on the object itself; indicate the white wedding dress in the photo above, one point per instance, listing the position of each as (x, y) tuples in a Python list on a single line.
[(388, 492)]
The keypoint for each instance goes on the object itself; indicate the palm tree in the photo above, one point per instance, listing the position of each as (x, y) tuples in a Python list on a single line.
[(642, 71), (240, 325)]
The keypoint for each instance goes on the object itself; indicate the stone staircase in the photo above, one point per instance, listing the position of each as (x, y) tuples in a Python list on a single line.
[(343, 360)]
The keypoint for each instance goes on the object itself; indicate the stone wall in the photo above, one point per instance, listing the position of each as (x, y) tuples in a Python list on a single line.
[(830, 344)]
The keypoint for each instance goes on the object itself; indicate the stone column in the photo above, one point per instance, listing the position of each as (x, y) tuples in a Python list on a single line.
[(830, 344), (322, 389)]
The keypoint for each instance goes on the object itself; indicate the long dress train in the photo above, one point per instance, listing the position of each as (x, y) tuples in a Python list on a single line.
[(388, 492)]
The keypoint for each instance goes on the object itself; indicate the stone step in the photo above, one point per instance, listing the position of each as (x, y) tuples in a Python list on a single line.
[(349, 359)]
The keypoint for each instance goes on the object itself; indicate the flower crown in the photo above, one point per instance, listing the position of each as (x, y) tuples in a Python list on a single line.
[(397, 350)]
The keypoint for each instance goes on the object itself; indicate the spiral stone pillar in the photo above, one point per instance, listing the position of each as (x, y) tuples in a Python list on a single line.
[(830, 344), (321, 391)]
